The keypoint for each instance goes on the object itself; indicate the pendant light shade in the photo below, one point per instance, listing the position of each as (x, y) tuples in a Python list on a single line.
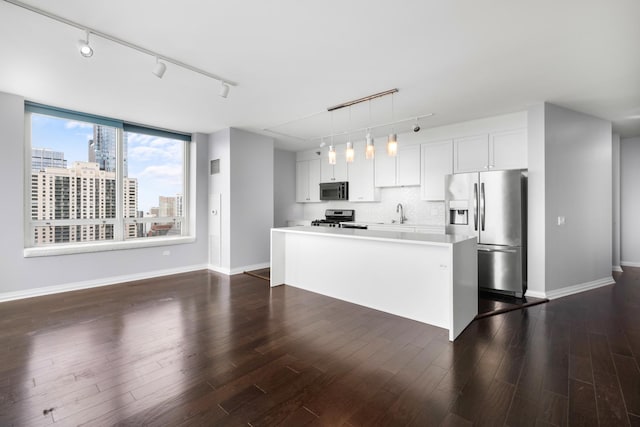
[(392, 145), (370, 149), (332, 155), (349, 153)]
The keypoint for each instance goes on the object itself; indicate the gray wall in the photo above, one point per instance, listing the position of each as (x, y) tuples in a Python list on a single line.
[(578, 186), (251, 199), (21, 274), (536, 201), (284, 189), (615, 249), (630, 202)]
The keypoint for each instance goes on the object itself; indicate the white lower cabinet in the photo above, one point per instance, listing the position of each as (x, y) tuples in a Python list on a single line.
[(361, 177), (308, 181), (437, 162)]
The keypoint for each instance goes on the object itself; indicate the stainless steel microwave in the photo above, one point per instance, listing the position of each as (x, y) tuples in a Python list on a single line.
[(334, 191)]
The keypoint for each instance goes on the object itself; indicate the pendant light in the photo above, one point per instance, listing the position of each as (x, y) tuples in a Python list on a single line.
[(370, 149), (392, 141), (349, 153), (332, 148)]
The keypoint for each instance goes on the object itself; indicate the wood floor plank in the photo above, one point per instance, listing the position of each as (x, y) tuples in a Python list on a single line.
[(202, 349)]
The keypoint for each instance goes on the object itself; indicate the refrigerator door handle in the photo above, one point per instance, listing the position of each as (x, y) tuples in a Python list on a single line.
[(482, 205), (475, 207), (508, 251)]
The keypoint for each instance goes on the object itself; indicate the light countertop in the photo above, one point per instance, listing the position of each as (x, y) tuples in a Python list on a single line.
[(406, 237)]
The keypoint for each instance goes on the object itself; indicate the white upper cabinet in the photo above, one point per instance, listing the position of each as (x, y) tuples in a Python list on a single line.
[(508, 149), (361, 177), (494, 151), (308, 181), (471, 154), (337, 172), (401, 170), (437, 161)]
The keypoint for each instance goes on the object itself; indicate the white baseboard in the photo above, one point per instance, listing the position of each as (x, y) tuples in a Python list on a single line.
[(237, 270), (114, 280), (581, 287), (616, 268), (629, 264), (535, 294)]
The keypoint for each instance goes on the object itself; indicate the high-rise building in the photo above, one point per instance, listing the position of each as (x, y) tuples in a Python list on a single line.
[(102, 148), (42, 158), (83, 192), (167, 206)]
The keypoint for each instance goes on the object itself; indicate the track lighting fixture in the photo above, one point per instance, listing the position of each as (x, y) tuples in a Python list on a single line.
[(85, 48), (159, 68), (224, 89)]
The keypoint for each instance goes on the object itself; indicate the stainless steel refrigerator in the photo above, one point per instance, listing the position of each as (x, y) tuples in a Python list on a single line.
[(493, 207)]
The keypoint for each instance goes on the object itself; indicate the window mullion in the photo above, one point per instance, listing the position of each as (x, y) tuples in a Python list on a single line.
[(119, 227)]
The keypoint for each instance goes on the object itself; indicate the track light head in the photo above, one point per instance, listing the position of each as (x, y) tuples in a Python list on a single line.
[(85, 48), (159, 69), (224, 90)]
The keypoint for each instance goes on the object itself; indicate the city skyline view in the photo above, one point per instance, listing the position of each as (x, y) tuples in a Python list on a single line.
[(156, 163)]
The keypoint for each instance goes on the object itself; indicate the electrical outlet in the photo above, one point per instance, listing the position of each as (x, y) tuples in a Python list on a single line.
[(561, 220)]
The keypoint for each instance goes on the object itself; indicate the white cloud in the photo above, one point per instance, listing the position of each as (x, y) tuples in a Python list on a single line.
[(72, 124), (163, 171)]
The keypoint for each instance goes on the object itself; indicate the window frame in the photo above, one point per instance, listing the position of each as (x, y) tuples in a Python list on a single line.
[(119, 242)]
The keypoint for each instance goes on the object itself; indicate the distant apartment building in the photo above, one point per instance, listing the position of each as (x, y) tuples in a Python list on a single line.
[(42, 158), (83, 192)]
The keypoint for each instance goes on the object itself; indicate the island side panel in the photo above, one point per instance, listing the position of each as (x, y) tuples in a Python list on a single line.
[(406, 279), (278, 242), (464, 292)]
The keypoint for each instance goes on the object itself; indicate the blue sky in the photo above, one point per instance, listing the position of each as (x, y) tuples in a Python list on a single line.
[(155, 162)]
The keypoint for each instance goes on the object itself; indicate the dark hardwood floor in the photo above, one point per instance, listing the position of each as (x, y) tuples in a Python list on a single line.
[(205, 349)]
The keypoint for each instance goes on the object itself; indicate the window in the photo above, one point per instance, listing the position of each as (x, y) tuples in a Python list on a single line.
[(97, 180)]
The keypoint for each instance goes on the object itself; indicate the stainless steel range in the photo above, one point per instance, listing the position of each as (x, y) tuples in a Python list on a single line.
[(333, 218)]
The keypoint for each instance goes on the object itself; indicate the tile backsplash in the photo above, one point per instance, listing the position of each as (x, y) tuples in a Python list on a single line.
[(417, 211)]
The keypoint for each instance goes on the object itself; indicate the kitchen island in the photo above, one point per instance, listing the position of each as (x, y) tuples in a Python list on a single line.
[(431, 278)]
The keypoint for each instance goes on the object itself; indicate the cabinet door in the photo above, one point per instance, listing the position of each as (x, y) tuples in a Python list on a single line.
[(361, 177), (437, 161), (302, 181), (314, 181), (385, 166), (326, 169), (471, 154), (337, 172), (408, 165), (508, 149)]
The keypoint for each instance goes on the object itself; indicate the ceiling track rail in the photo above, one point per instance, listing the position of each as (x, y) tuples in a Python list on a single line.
[(120, 41), (365, 99)]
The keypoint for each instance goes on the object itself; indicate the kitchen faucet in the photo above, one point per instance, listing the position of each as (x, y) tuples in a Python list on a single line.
[(400, 209)]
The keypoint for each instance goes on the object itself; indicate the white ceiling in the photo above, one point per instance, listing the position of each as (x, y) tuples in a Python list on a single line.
[(292, 59)]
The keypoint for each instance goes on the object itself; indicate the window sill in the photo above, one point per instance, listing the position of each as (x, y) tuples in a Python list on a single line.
[(105, 246)]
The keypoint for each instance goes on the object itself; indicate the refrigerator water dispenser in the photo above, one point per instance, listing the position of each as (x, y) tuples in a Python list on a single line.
[(459, 212)]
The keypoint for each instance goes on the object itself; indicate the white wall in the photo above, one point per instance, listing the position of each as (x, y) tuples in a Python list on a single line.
[(219, 187), (417, 211), (25, 276), (630, 202), (615, 250), (284, 189), (578, 186)]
